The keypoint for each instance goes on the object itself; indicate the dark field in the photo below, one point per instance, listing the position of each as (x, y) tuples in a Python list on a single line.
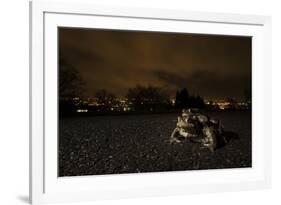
[(140, 143)]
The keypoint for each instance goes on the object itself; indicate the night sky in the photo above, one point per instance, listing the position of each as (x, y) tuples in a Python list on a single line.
[(215, 67)]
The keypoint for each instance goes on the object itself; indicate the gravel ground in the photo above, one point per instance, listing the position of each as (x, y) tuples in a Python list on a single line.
[(140, 143)]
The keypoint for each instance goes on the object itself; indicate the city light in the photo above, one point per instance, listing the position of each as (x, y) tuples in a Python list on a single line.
[(82, 110)]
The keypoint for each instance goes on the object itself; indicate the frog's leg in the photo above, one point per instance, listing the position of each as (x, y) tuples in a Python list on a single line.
[(173, 135)]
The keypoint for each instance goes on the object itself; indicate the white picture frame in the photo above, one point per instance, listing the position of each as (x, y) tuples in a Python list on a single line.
[(46, 187)]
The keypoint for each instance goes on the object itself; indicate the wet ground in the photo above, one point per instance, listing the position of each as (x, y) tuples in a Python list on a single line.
[(140, 143)]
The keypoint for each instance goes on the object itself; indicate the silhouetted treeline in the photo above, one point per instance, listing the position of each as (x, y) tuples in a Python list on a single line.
[(148, 98), (70, 86), (184, 100), (139, 99)]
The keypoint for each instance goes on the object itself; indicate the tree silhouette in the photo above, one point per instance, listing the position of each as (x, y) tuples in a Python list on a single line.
[(70, 86), (70, 81), (184, 100), (148, 98)]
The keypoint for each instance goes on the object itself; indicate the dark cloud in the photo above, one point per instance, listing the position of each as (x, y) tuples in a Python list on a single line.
[(209, 84), (209, 65)]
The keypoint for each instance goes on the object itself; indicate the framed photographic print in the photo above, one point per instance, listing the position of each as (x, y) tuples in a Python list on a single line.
[(129, 102)]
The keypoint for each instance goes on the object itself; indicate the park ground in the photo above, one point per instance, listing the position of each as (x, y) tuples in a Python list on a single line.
[(141, 143)]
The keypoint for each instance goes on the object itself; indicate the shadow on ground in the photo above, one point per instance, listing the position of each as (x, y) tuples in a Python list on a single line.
[(228, 137), (24, 199)]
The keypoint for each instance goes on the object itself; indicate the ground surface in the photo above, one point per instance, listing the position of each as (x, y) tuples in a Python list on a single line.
[(131, 144)]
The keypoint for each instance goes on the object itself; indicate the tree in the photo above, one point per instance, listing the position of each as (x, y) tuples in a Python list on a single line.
[(148, 98), (184, 100), (70, 81), (70, 86)]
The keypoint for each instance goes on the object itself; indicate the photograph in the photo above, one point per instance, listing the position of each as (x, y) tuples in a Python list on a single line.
[(152, 101)]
